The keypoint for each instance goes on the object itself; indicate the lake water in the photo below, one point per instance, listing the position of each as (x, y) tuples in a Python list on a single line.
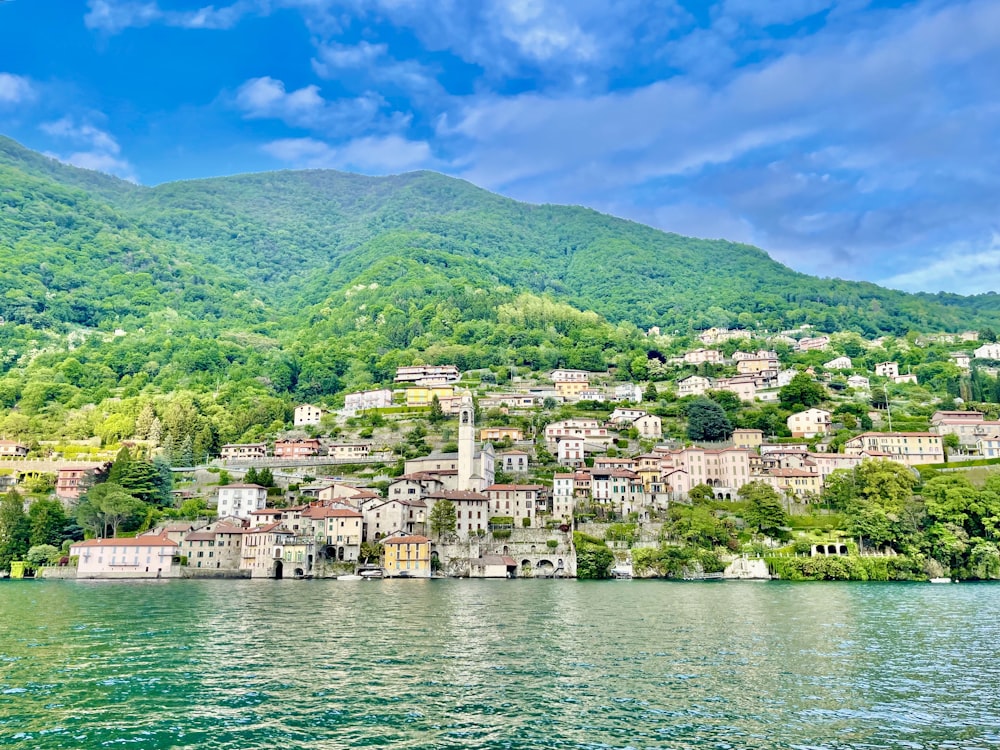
[(498, 664)]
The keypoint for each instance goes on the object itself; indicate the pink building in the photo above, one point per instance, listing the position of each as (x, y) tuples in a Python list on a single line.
[(140, 557)]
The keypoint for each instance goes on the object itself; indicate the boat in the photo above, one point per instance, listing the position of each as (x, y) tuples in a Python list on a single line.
[(940, 580), (350, 577), (370, 572)]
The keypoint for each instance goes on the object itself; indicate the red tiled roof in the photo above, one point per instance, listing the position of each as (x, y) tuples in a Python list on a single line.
[(139, 541), (406, 540)]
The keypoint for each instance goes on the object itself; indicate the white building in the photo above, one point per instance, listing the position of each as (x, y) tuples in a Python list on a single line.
[(988, 351), (365, 400), (240, 500), (887, 369), (307, 414), (809, 423), (839, 363)]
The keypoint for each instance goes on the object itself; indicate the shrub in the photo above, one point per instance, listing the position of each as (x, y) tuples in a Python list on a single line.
[(552, 543)]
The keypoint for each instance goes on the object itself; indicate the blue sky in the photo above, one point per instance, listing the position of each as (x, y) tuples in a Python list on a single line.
[(847, 138)]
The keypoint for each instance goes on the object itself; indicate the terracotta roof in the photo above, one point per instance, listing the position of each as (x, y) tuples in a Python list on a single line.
[(271, 527), (238, 486), (793, 473), (139, 541), (406, 540), (326, 512)]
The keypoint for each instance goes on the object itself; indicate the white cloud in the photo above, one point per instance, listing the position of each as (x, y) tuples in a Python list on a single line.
[(371, 62), (965, 267), (101, 151), (113, 17), (371, 155), (15, 89), (267, 97)]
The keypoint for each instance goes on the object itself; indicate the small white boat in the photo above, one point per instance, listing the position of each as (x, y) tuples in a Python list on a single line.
[(350, 577), (940, 580)]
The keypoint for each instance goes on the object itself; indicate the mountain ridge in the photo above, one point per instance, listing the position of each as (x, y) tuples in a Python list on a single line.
[(315, 281)]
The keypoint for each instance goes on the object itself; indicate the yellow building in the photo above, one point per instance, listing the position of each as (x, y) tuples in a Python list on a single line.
[(571, 388), (491, 434), (423, 395), (407, 556)]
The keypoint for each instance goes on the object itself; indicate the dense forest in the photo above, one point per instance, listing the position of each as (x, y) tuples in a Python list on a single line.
[(233, 298)]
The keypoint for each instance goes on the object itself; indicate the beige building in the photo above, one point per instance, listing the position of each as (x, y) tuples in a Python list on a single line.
[(748, 439), (701, 356), (809, 423), (348, 451), (244, 451), (910, 448), (494, 434), (521, 501), (693, 385)]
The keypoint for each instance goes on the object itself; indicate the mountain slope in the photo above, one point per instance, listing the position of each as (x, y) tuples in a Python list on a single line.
[(311, 282)]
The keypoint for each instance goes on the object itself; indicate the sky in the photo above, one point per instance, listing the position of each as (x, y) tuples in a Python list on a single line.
[(848, 138)]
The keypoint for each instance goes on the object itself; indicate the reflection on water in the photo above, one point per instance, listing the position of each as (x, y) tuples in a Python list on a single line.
[(497, 664)]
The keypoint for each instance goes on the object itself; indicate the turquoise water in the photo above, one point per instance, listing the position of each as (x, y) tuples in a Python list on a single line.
[(498, 664)]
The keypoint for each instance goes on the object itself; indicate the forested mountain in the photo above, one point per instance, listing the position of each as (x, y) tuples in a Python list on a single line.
[(302, 284)]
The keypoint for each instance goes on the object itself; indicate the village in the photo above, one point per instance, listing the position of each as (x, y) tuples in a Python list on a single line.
[(503, 499)]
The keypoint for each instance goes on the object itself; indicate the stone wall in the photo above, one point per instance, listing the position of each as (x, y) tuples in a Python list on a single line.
[(528, 547), (213, 573)]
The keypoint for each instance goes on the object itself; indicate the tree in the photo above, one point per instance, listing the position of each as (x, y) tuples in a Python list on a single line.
[(143, 480), (43, 554), (651, 393), (15, 529), (764, 509), (47, 521), (122, 461), (701, 493), (801, 393), (193, 508), (120, 507), (443, 518), (265, 477), (250, 477), (877, 508), (707, 421), (437, 413)]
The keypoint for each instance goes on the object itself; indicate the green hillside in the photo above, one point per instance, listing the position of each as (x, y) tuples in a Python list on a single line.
[(298, 285)]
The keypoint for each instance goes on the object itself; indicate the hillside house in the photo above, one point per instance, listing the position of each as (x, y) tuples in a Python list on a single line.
[(354, 403), (428, 375), (839, 363), (12, 449), (307, 414), (809, 423), (301, 448), (240, 500), (693, 385), (910, 448), (887, 369), (244, 451)]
